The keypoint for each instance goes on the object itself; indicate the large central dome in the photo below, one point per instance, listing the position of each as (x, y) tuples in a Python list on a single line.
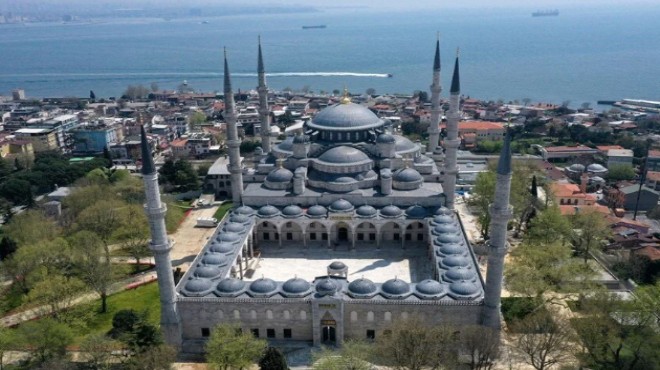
[(345, 117)]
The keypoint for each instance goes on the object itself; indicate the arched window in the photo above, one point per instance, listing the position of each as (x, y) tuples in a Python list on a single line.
[(303, 315), (388, 316), (286, 314), (221, 315), (269, 314), (253, 314), (370, 316), (354, 316), (404, 315), (237, 315)]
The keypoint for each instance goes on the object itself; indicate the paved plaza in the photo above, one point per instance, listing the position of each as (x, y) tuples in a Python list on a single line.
[(379, 265)]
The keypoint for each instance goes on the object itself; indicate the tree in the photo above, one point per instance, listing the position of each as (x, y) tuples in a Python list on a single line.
[(482, 345), (134, 329), (273, 359), (549, 226), (353, 355), (336, 92), (7, 247), (484, 195), (196, 120), (102, 218), (17, 191), (7, 343), (159, 357), (230, 348), (413, 345), (591, 230), (93, 264), (543, 342), (56, 293), (133, 234), (96, 350), (618, 172), (46, 339)]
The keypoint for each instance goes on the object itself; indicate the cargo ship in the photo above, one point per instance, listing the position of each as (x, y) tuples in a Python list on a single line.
[(312, 27), (545, 13)]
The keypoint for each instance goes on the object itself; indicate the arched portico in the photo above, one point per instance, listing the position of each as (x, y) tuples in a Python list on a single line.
[(316, 234), (366, 234)]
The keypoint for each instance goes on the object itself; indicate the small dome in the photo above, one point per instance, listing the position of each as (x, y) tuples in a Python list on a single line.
[(455, 261), (460, 273), (362, 288), (216, 259), (576, 167), (429, 287), (341, 205), (446, 229), (317, 211), (221, 247), (404, 144), (416, 211), (244, 210), (385, 139), (286, 145), (234, 227), (343, 155), (295, 287), (337, 265), (390, 211), (228, 237), (207, 272), (366, 211), (279, 175), (229, 287), (268, 211), (326, 286), (463, 288), (407, 175), (595, 167), (262, 287), (443, 211), (443, 219), (394, 288), (449, 239), (451, 249), (197, 285), (292, 211), (239, 218)]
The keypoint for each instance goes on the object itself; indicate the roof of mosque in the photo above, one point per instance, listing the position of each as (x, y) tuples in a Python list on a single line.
[(345, 117)]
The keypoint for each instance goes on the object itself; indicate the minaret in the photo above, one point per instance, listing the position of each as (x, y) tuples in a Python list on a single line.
[(452, 141), (233, 142), (436, 89), (500, 213), (160, 246), (264, 115)]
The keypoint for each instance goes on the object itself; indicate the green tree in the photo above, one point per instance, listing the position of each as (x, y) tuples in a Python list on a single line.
[(353, 355), (158, 357), (55, 293), (7, 343), (17, 191), (96, 351), (133, 234), (483, 196), (590, 231), (97, 176), (134, 329), (549, 226), (103, 218), (93, 264), (7, 247), (273, 359), (230, 348), (620, 172), (45, 339), (186, 177), (543, 342), (489, 146), (196, 120), (31, 227)]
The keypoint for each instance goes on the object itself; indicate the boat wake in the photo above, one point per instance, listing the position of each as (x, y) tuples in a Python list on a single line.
[(190, 75)]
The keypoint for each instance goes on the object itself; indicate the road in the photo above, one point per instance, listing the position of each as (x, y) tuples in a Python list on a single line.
[(188, 239)]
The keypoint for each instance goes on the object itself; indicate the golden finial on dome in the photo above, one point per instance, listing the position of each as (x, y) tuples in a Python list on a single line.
[(346, 98)]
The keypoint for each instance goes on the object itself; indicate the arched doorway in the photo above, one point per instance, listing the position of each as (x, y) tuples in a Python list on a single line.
[(342, 234), (328, 330)]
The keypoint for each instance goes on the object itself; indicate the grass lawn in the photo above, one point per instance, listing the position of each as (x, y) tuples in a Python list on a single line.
[(222, 210)]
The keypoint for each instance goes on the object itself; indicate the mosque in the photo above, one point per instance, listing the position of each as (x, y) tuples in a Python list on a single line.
[(347, 186)]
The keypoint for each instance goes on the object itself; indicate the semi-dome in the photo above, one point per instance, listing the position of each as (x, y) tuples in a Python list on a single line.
[(239, 218), (222, 247), (443, 211), (341, 205), (443, 219), (459, 273), (596, 168), (366, 211), (344, 180), (244, 210), (296, 287), (228, 237), (416, 211), (326, 286), (292, 211), (404, 145), (207, 272), (362, 288), (286, 145), (317, 211), (340, 117), (463, 289), (385, 139), (198, 287), (454, 261), (446, 229), (395, 288), (429, 289), (268, 211), (230, 287), (279, 175), (234, 227), (216, 259), (343, 155), (449, 239), (407, 175), (262, 287), (390, 211)]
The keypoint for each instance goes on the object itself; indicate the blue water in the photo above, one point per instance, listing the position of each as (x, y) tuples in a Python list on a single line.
[(583, 55)]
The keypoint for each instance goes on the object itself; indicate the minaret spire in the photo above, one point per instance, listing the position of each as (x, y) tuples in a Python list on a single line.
[(500, 213), (233, 142), (436, 108), (264, 115), (452, 141), (160, 246)]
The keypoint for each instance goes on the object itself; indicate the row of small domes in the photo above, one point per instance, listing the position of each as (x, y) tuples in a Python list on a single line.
[(240, 214), (342, 206)]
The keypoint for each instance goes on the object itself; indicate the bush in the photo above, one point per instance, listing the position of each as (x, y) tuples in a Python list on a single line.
[(273, 359), (517, 308)]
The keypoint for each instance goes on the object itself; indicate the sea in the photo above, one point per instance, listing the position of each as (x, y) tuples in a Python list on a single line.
[(583, 55)]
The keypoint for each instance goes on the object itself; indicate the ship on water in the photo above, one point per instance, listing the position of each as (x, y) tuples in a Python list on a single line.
[(312, 27), (546, 13)]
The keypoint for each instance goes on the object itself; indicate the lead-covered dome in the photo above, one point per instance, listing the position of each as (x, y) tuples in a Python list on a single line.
[(317, 211), (443, 211), (326, 286), (207, 272), (385, 139), (268, 211), (449, 239), (216, 259), (239, 218), (366, 211), (279, 175), (395, 288), (228, 237), (244, 210), (296, 287), (596, 168), (464, 289), (451, 249), (429, 289), (416, 211), (222, 247), (341, 205), (198, 287), (345, 116), (460, 273), (344, 155), (234, 227), (292, 211), (263, 287), (446, 229), (230, 287), (454, 261), (362, 288), (390, 211), (443, 219)]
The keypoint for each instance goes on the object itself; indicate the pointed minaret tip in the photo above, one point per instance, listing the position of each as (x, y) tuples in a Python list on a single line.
[(148, 167), (436, 60), (226, 73), (260, 61), (504, 163), (455, 80)]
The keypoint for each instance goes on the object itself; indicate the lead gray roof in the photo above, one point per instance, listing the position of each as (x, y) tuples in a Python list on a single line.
[(345, 117)]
